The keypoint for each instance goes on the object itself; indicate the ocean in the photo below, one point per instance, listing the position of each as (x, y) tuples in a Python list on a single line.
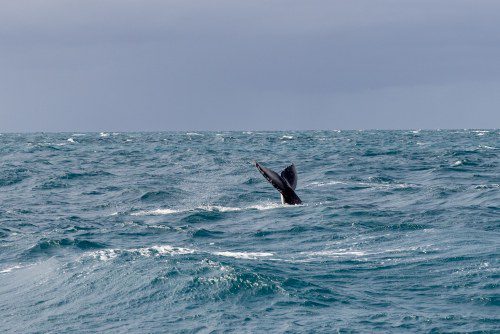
[(178, 232)]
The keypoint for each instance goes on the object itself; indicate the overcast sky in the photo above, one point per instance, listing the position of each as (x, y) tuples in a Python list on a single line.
[(123, 65)]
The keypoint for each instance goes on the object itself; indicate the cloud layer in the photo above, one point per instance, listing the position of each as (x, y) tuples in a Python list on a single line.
[(179, 65)]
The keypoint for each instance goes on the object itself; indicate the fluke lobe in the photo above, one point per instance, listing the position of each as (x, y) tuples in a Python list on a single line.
[(285, 183)]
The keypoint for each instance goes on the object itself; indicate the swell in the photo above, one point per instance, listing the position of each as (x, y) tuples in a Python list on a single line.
[(46, 247)]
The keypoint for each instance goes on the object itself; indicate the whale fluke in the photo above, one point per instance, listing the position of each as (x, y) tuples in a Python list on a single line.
[(290, 175), (285, 183)]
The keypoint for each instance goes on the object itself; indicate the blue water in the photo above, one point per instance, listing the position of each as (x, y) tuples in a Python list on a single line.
[(178, 232)]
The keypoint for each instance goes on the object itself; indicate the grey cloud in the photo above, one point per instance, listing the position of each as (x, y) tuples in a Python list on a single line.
[(168, 65)]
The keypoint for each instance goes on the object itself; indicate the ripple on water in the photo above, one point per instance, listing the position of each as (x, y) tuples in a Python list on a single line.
[(140, 232)]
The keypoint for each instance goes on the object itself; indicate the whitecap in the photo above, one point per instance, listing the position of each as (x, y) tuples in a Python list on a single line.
[(286, 137), (322, 184), (9, 269), (458, 163), (244, 255), (157, 212), (104, 134), (193, 134), (481, 132), (167, 249), (218, 208), (71, 140), (212, 208), (270, 206), (335, 253), (153, 251), (487, 186), (104, 255)]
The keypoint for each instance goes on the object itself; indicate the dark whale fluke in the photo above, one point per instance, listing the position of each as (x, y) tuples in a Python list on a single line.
[(285, 183)]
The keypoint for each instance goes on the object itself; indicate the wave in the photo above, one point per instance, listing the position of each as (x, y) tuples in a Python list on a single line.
[(335, 253), (322, 184), (75, 175), (244, 255), (164, 250), (157, 212), (11, 177), (481, 132), (374, 185), (217, 208), (212, 208), (48, 246), (152, 196), (159, 250), (9, 269)]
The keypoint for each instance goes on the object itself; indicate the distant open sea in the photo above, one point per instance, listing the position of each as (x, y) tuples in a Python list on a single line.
[(179, 233)]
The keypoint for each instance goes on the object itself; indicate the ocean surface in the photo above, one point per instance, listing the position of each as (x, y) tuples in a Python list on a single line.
[(179, 232)]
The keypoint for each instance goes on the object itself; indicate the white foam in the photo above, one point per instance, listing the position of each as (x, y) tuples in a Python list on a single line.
[(457, 163), (153, 251), (104, 134), (244, 255), (269, 206), (104, 255), (166, 249), (9, 269), (322, 184), (335, 253), (193, 134), (71, 140), (481, 132), (487, 186), (219, 208), (286, 137), (157, 212), (212, 208)]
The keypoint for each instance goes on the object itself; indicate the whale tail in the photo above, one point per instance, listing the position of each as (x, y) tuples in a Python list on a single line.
[(284, 183)]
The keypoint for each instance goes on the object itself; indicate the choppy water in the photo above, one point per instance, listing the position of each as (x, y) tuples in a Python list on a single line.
[(178, 232)]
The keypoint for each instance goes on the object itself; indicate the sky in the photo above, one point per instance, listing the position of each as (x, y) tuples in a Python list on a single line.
[(162, 65)]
